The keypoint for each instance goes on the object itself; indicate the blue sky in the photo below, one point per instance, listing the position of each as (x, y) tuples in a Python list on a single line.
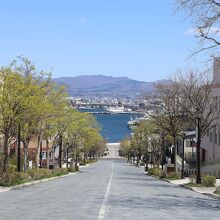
[(140, 39)]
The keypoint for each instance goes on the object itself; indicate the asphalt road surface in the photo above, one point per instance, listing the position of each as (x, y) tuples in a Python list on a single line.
[(109, 189)]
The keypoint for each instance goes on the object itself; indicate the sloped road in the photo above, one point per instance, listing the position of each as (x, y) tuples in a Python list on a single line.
[(111, 190)]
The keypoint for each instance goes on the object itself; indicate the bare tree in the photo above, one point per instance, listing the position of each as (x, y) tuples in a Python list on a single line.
[(167, 114), (197, 96), (199, 104), (205, 17)]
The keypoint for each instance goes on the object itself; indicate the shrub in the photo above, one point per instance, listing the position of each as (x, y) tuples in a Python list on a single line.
[(59, 171), (12, 167), (71, 169), (155, 172), (174, 175), (82, 163), (39, 174), (13, 178), (88, 161), (208, 181)]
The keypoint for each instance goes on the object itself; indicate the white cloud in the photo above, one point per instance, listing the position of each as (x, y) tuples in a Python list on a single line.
[(194, 31)]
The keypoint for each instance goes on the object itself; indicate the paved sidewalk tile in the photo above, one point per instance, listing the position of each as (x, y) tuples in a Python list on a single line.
[(4, 189), (180, 182)]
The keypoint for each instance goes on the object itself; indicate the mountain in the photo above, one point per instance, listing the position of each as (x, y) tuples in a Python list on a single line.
[(99, 85)]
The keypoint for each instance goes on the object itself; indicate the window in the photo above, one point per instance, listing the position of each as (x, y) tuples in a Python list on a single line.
[(51, 155), (44, 155)]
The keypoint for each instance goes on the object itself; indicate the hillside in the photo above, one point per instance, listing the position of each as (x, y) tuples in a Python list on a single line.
[(99, 85)]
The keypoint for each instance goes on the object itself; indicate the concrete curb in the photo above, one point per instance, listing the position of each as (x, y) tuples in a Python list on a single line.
[(156, 177), (213, 195), (6, 189), (89, 164)]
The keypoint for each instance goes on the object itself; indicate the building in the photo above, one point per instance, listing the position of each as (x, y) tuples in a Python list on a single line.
[(210, 146), (52, 149)]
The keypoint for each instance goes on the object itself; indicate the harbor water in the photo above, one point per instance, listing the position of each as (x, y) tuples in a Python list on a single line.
[(114, 127)]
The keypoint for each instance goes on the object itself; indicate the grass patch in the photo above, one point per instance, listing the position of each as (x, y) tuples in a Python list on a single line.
[(173, 176), (217, 192), (195, 185), (155, 172), (207, 181)]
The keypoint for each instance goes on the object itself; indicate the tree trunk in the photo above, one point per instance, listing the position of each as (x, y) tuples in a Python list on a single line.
[(41, 153), (174, 152), (5, 153), (84, 158), (60, 150), (72, 157), (47, 146), (25, 150), (53, 156), (37, 158)]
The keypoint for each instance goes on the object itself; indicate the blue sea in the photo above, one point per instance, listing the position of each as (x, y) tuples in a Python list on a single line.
[(113, 126)]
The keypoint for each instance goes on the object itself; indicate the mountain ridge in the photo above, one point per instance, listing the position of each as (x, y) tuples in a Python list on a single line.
[(101, 85)]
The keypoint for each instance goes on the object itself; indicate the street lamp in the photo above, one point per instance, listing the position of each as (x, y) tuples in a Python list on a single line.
[(198, 123), (183, 138)]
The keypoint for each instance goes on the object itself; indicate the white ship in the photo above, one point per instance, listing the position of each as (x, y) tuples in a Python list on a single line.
[(116, 110), (134, 122)]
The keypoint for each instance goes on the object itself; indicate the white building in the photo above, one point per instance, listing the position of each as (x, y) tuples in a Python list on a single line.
[(210, 146)]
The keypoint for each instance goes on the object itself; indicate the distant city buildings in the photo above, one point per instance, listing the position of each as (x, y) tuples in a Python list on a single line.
[(137, 104)]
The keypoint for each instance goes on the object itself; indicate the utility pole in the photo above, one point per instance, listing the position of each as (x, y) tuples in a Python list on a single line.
[(198, 176), (183, 137)]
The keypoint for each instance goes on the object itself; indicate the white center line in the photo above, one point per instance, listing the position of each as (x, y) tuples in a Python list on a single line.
[(104, 201)]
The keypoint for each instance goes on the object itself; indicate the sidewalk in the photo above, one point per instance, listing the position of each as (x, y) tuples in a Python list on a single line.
[(180, 181), (209, 191), (4, 189)]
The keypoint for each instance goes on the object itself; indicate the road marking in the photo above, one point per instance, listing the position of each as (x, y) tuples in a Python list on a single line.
[(104, 201)]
